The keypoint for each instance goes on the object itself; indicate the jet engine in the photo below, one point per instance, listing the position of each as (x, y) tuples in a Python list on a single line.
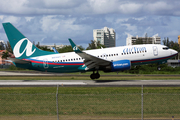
[(120, 65)]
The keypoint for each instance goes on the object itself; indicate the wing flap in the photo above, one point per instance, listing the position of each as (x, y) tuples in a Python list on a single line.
[(93, 65)]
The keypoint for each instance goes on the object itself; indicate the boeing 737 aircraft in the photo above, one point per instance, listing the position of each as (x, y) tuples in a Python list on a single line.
[(108, 59)]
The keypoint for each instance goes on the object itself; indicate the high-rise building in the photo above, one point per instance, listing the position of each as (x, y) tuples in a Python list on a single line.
[(105, 36), (131, 40), (179, 40), (2, 44)]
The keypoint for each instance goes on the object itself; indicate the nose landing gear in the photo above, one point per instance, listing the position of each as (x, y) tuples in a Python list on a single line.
[(95, 75)]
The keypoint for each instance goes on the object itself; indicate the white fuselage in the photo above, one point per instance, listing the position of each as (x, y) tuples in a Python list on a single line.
[(136, 54)]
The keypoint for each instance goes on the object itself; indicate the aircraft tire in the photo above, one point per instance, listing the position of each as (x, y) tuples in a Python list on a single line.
[(97, 75), (92, 76)]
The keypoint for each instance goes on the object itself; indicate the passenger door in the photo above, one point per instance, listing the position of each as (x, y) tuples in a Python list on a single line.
[(155, 50)]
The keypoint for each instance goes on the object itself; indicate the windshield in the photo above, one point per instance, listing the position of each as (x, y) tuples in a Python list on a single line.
[(165, 48)]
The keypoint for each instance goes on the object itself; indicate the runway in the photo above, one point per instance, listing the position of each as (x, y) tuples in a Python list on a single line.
[(79, 83), (87, 83)]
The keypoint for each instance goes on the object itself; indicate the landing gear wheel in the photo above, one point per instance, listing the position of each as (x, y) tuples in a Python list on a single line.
[(95, 75), (92, 76)]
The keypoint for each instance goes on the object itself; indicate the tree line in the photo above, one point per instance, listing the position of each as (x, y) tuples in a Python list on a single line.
[(68, 48)]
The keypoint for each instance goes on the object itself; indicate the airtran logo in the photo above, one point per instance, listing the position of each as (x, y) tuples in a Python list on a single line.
[(123, 64), (75, 48), (134, 49), (27, 49)]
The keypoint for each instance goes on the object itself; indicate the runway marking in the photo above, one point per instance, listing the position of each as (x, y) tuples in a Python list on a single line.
[(10, 83)]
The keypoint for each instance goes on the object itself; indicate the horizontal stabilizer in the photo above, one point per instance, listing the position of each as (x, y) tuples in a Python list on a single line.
[(19, 61)]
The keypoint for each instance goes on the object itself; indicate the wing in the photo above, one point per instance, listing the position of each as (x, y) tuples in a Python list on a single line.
[(89, 60)]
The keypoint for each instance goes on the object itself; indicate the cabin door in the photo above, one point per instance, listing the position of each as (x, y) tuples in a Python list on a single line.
[(155, 50), (45, 63)]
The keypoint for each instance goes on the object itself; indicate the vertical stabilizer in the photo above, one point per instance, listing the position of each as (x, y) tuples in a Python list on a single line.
[(21, 46)]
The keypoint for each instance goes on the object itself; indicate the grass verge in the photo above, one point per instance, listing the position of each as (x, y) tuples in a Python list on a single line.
[(87, 102)]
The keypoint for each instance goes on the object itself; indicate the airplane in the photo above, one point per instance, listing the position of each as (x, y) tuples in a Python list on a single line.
[(112, 59)]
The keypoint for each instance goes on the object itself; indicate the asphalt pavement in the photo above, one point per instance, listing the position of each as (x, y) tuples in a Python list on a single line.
[(93, 83)]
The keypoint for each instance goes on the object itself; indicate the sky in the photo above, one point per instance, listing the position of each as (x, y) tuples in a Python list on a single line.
[(54, 21)]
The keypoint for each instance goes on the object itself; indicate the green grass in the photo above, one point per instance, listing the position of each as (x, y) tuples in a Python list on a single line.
[(114, 102)]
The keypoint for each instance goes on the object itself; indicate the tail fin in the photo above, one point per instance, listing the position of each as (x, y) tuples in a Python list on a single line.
[(21, 46)]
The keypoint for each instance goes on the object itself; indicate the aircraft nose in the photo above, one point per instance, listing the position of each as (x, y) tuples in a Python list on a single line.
[(173, 52)]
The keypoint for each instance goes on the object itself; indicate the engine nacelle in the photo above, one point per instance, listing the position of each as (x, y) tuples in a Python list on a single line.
[(120, 65)]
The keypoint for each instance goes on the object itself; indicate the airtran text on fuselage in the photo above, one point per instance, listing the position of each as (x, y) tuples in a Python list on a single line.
[(134, 49)]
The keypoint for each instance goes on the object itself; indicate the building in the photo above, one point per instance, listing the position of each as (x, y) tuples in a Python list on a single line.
[(51, 46), (131, 40), (3, 60), (105, 36), (2, 44), (173, 63), (179, 40)]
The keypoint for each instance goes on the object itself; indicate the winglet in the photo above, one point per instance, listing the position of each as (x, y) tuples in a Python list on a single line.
[(75, 48), (54, 49)]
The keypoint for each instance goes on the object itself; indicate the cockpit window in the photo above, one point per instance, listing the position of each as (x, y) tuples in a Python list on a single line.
[(165, 48)]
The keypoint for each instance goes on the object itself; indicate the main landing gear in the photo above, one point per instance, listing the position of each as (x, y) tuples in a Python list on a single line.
[(95, 75)]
